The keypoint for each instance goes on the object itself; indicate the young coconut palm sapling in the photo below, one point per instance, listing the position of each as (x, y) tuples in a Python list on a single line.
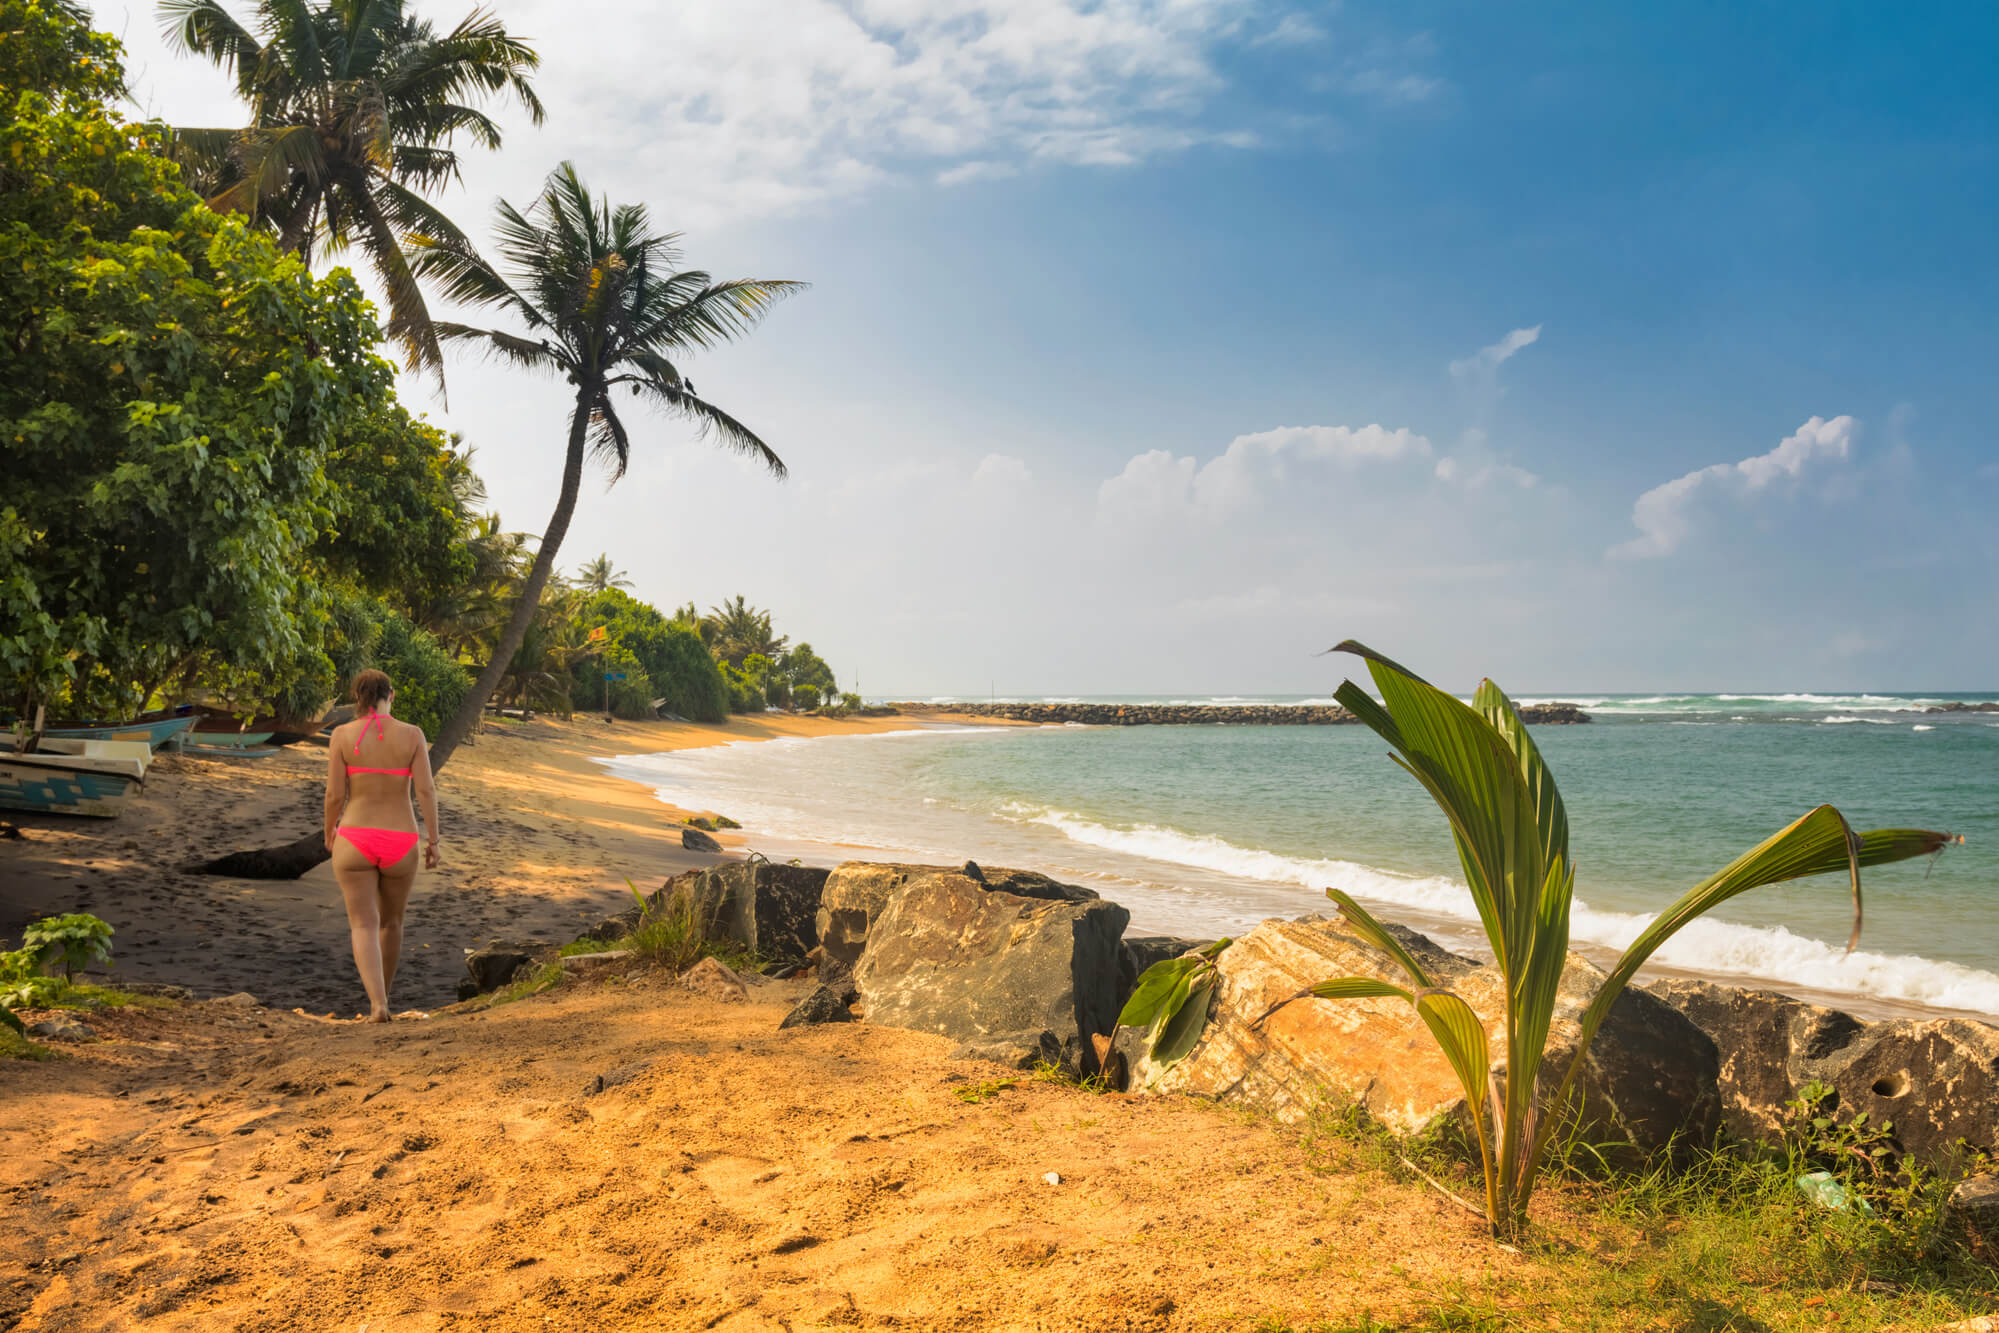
[(1512, 834)]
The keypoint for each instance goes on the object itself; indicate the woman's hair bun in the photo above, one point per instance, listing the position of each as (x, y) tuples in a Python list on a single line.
[(371, 687)]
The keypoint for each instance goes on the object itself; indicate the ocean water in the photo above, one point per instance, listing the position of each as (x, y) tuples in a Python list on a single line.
[(1206, 830)]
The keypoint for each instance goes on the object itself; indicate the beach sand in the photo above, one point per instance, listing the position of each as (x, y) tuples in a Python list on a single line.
[(537, 842), (216, 1167)]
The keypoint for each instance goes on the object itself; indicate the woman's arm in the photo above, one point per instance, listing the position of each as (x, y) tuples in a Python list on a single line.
[(426, 799), (336, 787)]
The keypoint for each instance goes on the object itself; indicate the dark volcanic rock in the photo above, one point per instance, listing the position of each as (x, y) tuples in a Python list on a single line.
[(976, 961), (694, 840), (768, 909), (494, 966), (1974, 1205), (823, 1005), (1934, 1082), (1959, 706)]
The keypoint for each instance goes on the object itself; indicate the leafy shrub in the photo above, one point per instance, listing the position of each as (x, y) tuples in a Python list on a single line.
[(677, 664), (805, 696), (76, 941), (428, 682)]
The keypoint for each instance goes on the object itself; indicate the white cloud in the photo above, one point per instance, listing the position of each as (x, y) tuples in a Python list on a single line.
[(1665, 514), (977, 171), (1486, 362), (1001, 471), (1155, 481), (766, 108)]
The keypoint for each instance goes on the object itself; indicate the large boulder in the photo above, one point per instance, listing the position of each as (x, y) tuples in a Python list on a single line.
[(976, 960), (1650, 1074), (1935, 1082), (857, 891), (1770, 1045), (766, 908)]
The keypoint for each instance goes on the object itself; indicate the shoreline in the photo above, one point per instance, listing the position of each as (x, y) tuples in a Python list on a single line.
[(540, 836), (1458, 935)]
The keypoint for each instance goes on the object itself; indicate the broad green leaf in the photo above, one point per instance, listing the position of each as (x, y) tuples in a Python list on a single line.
[(1214, 950), (1370, 930), (12, 1020), (1358, 988), (1155, 987), (1183, 1027), (1458, 1030)]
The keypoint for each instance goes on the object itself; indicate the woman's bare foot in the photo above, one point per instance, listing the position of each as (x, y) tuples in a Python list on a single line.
[(378, 1016)]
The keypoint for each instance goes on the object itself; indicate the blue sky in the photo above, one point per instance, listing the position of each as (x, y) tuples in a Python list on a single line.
[(1154, 346)]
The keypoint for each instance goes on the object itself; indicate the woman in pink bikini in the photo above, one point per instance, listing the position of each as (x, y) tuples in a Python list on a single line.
[(371, 830)]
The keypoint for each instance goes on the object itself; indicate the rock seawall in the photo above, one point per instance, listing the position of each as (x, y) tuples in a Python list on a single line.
[(1168, 715)]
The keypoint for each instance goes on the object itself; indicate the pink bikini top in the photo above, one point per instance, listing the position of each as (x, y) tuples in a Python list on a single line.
[(381, 733)]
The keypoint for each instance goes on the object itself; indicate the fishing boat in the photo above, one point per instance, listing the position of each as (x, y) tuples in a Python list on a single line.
[(155, 732), (67, 776), (242, 751)]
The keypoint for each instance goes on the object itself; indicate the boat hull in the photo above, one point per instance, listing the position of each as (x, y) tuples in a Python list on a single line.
[(154, 733), (44, 784)]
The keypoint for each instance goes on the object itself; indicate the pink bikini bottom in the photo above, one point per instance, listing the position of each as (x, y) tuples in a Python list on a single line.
[(383, 846)]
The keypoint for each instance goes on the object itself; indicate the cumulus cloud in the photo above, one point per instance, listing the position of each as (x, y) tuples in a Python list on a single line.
[(1665, 514), (1156, 481), (1485, 362), (1001, 471)]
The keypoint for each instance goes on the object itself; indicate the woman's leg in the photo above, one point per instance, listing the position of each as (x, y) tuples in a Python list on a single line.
[(392, 898), (359, 885)]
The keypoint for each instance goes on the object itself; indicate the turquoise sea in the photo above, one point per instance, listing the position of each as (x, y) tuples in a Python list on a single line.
[(1205, 830)]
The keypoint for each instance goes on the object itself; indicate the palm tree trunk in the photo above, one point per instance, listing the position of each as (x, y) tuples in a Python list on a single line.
[(292, 859), (473, 706)]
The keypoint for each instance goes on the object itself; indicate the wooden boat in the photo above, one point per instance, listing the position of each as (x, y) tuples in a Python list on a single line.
[(67, 776), (246, 750), (154, 732)]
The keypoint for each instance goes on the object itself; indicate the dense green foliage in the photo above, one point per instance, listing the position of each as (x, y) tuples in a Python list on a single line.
[(1486, 774), (676, 665), (213, 493), (174, 386), (353, 109)]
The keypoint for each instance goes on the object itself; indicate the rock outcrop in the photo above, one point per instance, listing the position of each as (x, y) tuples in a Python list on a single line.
[(768, 909), (824, 1005), (1167, 715), (694, 840), (1650, 1074), (981, 959), (1959, 706), (856, 892), (1935, 1082), (494, 966)]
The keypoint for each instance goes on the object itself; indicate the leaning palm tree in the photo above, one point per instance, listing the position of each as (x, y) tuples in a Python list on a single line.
[(600, 575), (600, 301), (354, 106)]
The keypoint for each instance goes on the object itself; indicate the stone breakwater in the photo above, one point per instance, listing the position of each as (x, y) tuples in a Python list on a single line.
[(1168, 715)]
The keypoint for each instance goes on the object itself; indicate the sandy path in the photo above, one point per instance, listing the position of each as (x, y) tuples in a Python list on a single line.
[(538, 841), (224, 1168)]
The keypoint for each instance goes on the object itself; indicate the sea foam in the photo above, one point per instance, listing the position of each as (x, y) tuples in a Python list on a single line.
[(1709, 946)]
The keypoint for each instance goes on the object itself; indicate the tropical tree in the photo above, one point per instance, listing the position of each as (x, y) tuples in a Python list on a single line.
[(599, 576), (1485, 773), (735, 630), (354, 107), (174, 388), (600, 301)]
